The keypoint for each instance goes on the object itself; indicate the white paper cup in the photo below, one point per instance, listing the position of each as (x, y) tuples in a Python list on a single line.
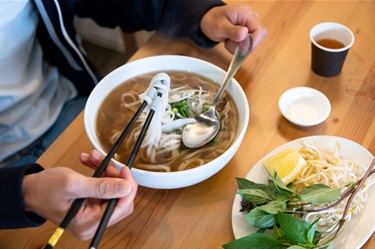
[(326, 60)]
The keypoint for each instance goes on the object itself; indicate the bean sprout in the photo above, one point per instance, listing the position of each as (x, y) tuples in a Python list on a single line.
[(329, 168)]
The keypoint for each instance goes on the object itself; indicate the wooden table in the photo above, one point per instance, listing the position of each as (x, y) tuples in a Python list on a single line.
[(200, 216)]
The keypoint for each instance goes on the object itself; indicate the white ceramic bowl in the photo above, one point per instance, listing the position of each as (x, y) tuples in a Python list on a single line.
[(304, 106), (170, 180)]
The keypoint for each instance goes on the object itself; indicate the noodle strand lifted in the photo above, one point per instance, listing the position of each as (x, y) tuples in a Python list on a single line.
[(162, 149)]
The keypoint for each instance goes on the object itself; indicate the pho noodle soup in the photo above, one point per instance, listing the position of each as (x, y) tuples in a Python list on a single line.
[(189, 94)]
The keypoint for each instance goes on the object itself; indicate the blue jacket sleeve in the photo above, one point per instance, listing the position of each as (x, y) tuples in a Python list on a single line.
[(12, 209), (177, 18)]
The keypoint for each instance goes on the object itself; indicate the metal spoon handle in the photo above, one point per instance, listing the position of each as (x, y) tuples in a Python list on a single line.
[(241, 53)]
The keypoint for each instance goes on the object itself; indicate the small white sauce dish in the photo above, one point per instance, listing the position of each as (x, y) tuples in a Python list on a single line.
[(304, 106)]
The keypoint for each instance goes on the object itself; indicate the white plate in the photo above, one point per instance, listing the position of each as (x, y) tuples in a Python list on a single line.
[(304, 106), (358, 230)]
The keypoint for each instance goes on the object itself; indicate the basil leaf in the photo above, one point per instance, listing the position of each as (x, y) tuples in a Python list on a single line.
[(260, 218), (274, 207), (292, 187), (261, 230), (313, 187), (277, 233), (319, 193), (281, 187), (244, 183), (311, 232), (317, 236), (255, 196), (255, 240), (294, 229)]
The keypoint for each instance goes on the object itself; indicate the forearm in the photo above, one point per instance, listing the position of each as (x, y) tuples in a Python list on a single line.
[(12, 208), (177, 18)]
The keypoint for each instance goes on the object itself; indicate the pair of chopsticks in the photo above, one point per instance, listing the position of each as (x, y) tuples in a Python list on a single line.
[(158, 87), (112, 203)]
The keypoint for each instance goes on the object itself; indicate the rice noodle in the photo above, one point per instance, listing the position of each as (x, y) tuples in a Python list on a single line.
[(158, 142), (155, 167), (162, 149)]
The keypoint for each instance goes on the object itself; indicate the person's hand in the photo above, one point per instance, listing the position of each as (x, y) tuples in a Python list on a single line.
[(231, 24), (50, 194)]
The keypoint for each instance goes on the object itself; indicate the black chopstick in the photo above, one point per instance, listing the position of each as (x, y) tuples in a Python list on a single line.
[(112, 203), (98, 172)]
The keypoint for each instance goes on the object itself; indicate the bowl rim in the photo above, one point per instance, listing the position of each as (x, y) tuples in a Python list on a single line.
[(244, 113)]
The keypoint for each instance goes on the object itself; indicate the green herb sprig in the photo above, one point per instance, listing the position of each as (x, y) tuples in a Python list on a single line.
[(182, 108), (270, 206)]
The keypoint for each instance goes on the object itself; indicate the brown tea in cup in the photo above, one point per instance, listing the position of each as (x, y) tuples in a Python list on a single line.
[(330, 43)]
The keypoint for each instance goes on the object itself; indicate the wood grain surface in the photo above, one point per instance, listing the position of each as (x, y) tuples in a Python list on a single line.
[(200, 216)]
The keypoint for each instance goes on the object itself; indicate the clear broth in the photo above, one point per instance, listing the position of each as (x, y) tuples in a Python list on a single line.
[(113, 117)]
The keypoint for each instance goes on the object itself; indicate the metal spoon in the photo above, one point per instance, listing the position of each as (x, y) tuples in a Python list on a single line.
[(207, 125)]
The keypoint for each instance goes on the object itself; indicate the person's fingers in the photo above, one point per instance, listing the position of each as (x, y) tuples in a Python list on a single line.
[(94, 159), (258, 35), (85, 159), (230, 31), (101, 188), (251, 20), (86, 221), (125, 206), (231, 24), (91, 159), (231, 46)]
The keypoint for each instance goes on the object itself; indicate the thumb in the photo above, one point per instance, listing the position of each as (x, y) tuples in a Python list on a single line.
[(235, 33), (238, 33), (103, 188)]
